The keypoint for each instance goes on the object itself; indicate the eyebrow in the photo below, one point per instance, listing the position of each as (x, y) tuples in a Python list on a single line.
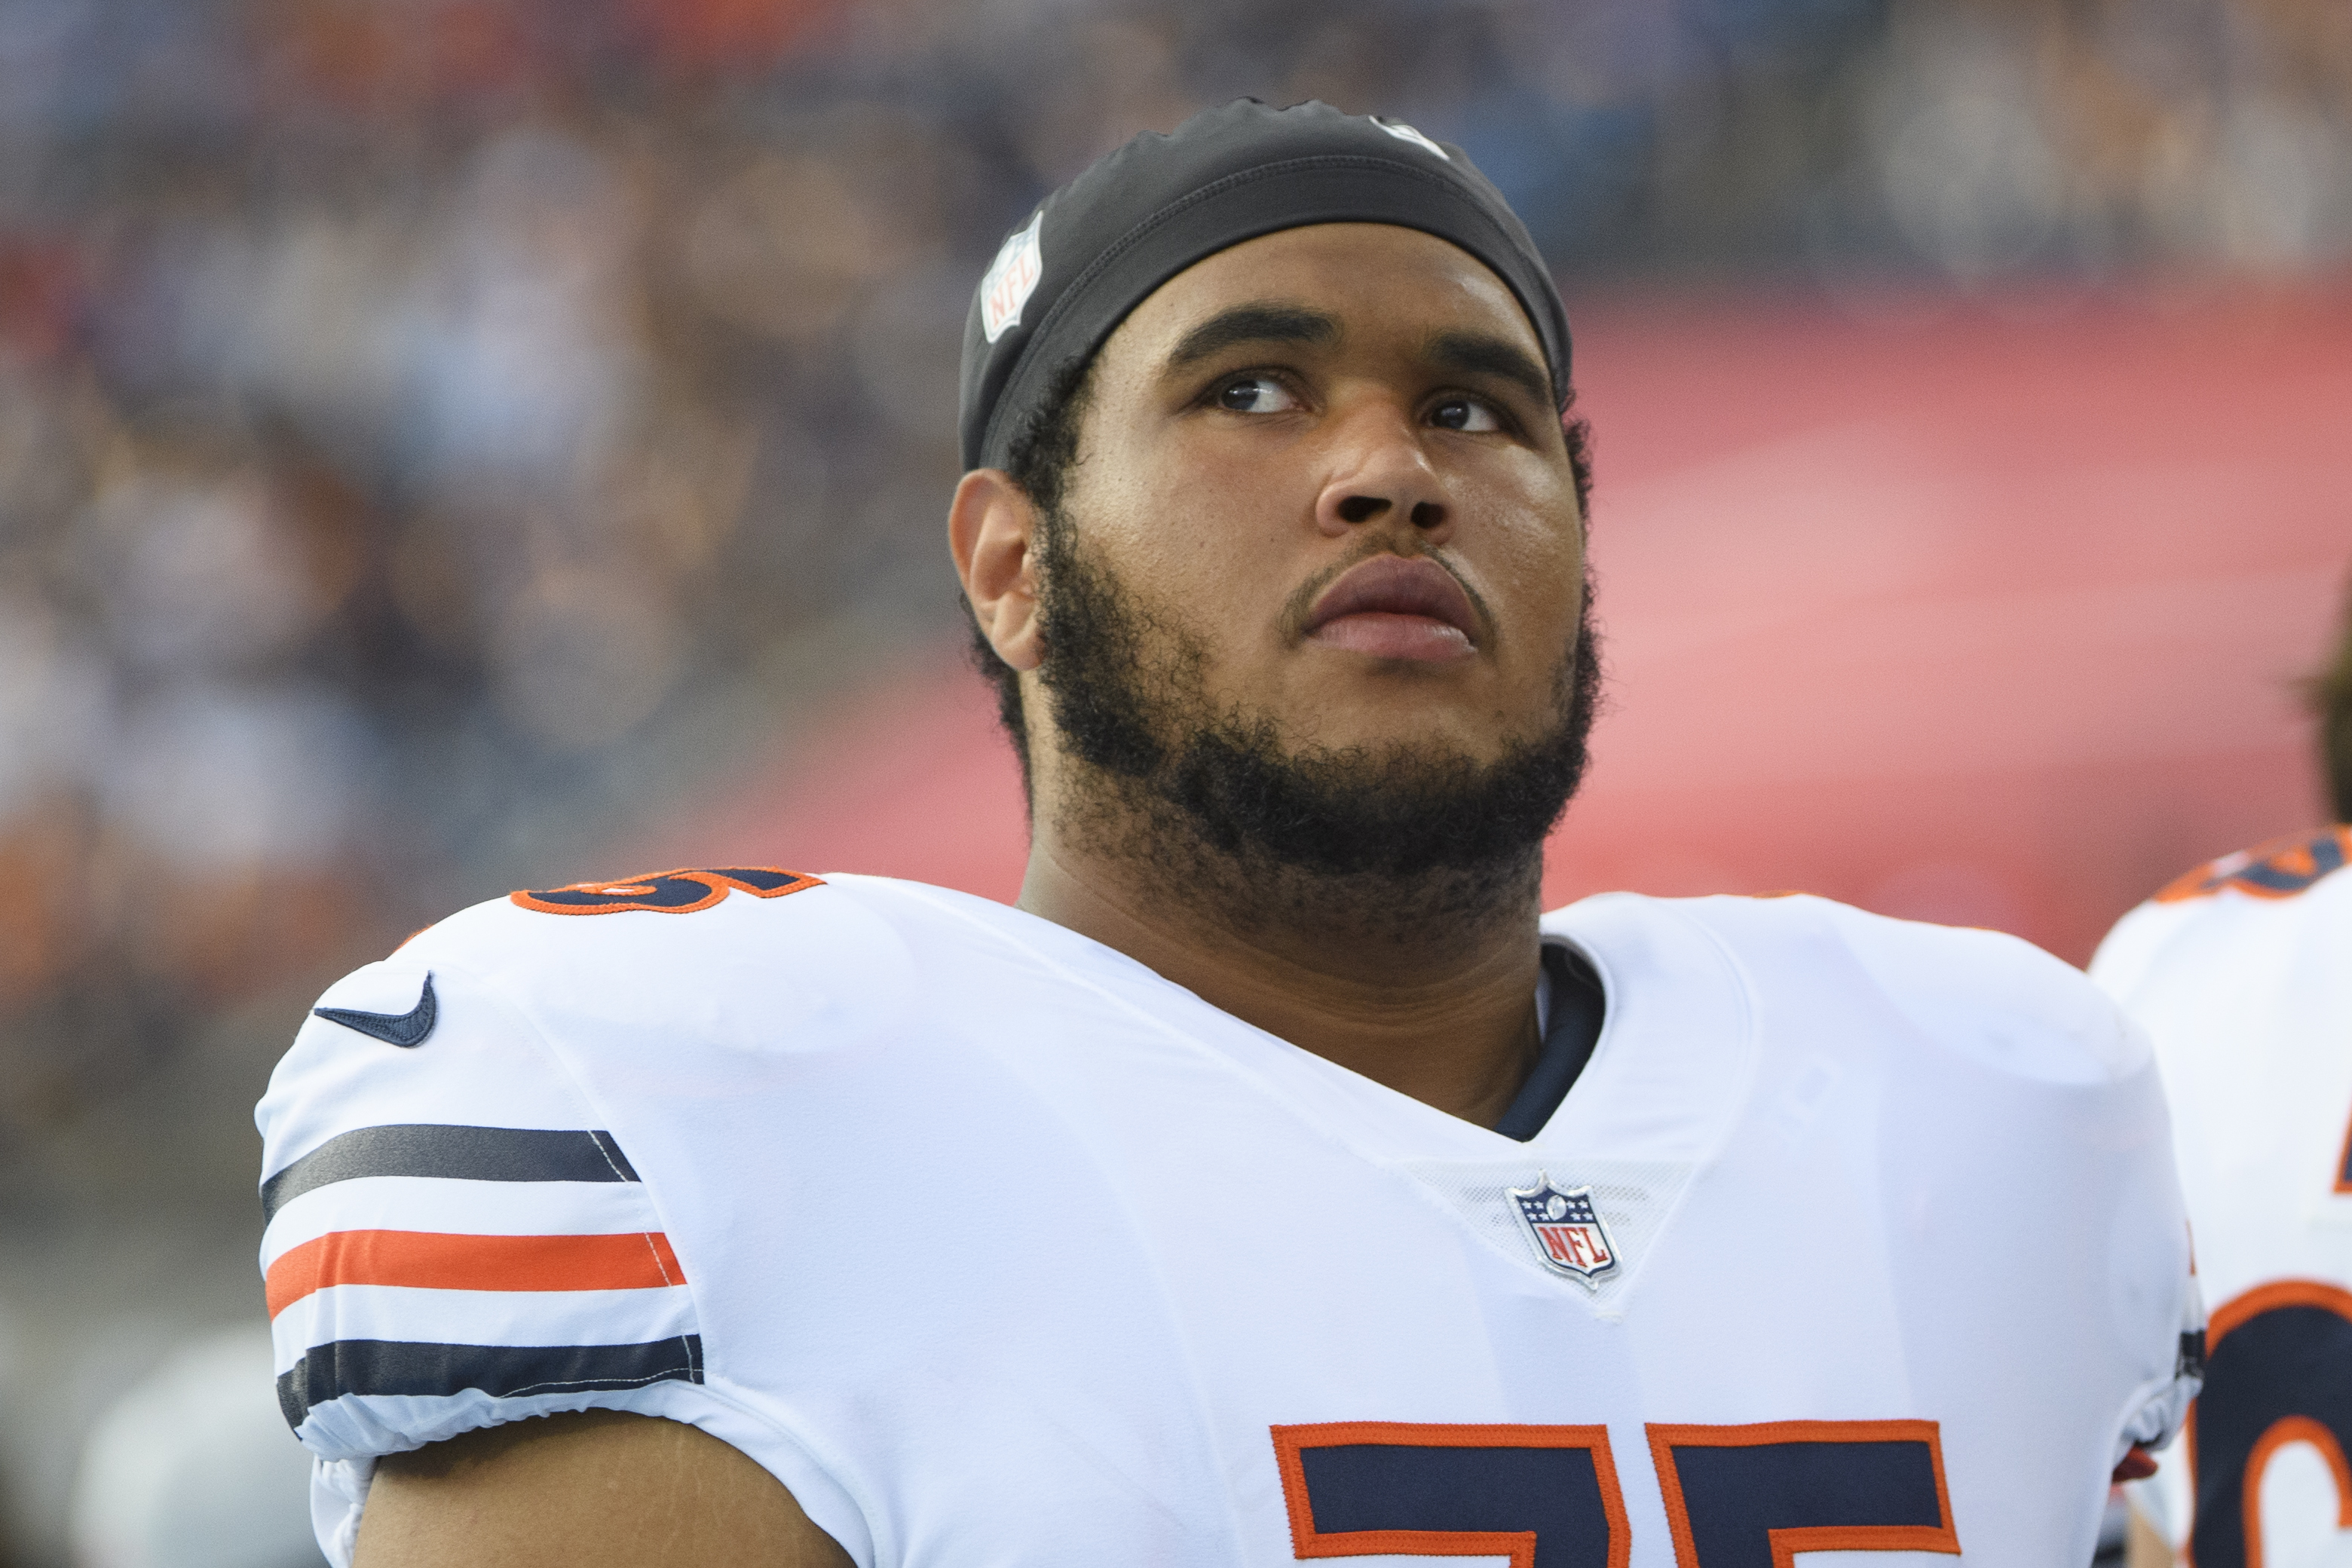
[(1475, 353), (1258, 323)]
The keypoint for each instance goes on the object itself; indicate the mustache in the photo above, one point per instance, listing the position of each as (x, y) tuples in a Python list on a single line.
[(1301, 605)]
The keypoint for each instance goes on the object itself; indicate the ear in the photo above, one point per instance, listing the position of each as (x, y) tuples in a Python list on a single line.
[(992, 529)]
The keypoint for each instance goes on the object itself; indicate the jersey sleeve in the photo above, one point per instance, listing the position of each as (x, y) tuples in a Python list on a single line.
[(453, 1239)]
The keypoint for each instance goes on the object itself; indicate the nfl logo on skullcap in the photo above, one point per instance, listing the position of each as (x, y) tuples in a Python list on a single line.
[(1012, 278), (1569, 1236)]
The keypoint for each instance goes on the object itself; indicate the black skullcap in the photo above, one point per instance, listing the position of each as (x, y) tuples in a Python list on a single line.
[(1096, 248)]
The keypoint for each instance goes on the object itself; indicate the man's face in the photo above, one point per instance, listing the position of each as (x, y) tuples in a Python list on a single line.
[(1324, 473)]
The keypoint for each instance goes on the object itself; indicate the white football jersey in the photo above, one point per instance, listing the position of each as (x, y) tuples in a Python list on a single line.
[(2241, 972), (997, 1248)]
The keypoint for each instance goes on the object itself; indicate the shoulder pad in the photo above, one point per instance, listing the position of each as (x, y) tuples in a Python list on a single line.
[(1995, 998)]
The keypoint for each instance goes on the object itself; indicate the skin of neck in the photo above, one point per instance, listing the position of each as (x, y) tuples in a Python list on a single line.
[(1445, 1016)]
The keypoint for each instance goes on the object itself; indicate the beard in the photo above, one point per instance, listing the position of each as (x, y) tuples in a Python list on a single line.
[(1386, 840)]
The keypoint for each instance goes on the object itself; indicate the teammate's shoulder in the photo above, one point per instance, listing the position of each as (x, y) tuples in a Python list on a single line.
[(2246, 895), (2270, 872), (1991, 995)]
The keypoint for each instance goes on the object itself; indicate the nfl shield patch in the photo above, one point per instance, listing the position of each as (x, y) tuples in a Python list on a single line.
[(1011, 279), (1566, 1230)]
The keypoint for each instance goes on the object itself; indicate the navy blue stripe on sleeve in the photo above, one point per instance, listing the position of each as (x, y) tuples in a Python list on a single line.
[(459, 1154), (365, 1367)]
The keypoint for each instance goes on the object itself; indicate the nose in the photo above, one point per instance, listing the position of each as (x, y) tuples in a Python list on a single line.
[(1383, 473)]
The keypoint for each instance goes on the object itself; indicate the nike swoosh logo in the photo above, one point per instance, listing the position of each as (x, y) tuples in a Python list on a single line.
[(408, 1028)]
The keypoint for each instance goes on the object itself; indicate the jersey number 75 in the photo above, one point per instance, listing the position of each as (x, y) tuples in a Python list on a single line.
[(1547, 1496)]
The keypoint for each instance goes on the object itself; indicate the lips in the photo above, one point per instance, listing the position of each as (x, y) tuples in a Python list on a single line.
[(1392, 606)]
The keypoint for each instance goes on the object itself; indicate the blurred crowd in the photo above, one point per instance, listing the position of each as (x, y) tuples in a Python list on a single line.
[(431, 429)]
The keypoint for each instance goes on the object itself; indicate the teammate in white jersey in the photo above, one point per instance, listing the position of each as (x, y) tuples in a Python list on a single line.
[(2241, 971), (1273, 1183)]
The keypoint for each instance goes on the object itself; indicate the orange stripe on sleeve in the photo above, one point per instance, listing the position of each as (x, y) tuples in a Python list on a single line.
[(635, 1260)]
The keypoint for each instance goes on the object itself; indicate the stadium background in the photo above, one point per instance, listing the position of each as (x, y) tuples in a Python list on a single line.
[(448, 446)]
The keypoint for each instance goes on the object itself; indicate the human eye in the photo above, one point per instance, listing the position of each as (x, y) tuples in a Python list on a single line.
[(1475, 415), (1255, 394)]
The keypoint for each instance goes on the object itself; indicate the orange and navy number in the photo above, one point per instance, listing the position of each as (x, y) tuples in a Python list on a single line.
[(1754, 1497), (2278, 1370), (2278, 869), (1547, 1496), (680, 892)]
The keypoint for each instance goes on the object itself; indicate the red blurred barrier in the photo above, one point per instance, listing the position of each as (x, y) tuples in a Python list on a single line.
[(1986, 615)]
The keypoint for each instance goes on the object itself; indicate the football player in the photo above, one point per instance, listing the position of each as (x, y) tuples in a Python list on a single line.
[(1274, 1181), (2241, 971)]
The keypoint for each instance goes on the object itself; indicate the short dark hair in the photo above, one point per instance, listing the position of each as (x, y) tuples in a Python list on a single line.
[(1040, 461), (2330, 693)]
